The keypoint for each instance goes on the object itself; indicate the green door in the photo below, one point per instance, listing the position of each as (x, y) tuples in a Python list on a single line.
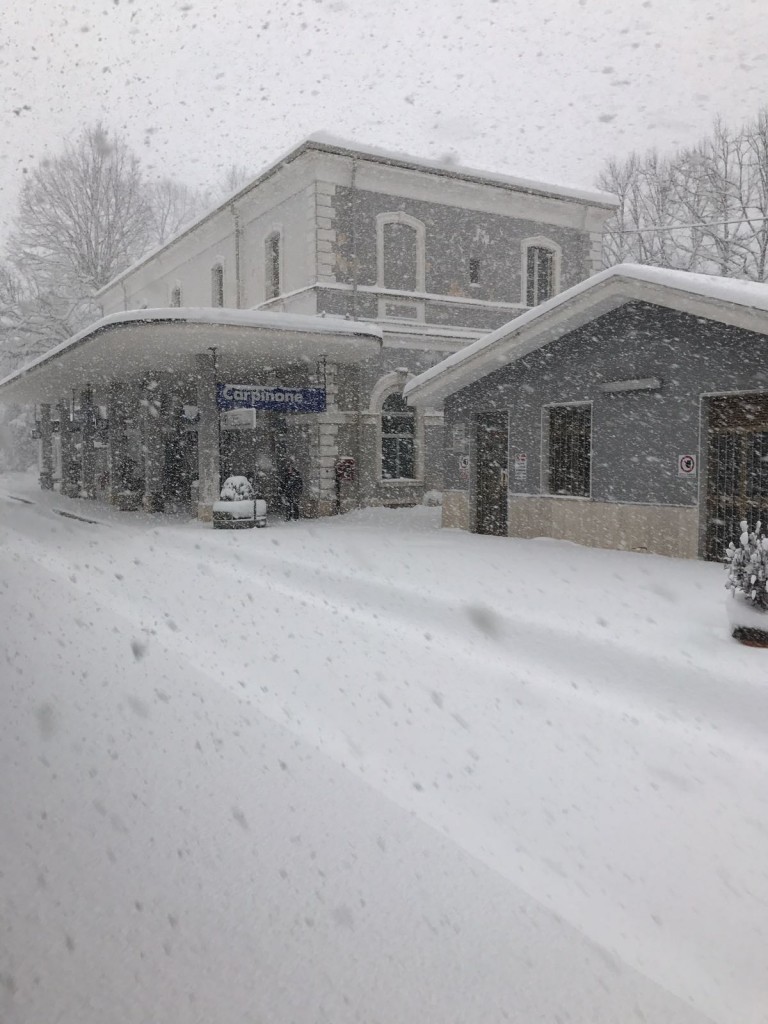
[(492, 473)]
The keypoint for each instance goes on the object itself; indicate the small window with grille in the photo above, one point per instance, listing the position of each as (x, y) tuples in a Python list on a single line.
[(570, 450)]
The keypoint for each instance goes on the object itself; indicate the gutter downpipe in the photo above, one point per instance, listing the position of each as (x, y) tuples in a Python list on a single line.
[(353, 238), (236, 219)]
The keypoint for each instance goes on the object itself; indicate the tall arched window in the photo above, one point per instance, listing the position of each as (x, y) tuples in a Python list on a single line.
[(217, 285), (541, 270), (401, 252), (398, 439), (272, 265)]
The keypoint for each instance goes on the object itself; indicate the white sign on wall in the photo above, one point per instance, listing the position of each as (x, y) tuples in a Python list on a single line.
[(686, 465), (521, 466)]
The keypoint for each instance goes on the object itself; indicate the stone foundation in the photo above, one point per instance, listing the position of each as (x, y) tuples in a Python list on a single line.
[(658, 529)]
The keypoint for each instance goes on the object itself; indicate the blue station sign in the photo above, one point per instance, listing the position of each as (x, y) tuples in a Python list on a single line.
[(273, 398)]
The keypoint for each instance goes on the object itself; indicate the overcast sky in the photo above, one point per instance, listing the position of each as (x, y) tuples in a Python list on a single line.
[(540, 88)]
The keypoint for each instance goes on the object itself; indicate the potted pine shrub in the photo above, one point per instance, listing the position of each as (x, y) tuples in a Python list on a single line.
[(747, 564)]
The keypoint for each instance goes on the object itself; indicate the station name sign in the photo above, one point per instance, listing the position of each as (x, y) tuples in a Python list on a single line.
[(273, 398)]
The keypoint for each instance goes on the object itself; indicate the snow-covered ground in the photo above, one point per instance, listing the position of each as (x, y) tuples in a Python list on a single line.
[(368, 770)]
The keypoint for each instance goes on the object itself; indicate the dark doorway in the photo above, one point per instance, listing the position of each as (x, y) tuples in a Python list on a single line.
[(737, 468), (492, 473)]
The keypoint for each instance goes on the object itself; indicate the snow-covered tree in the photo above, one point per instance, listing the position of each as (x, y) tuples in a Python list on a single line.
[(747, 565)]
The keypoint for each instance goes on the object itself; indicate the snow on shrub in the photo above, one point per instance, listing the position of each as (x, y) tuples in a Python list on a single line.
[(433, 499), (747, 566), (236, 488)]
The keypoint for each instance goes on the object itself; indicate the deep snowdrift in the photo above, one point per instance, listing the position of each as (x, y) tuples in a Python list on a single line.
[(368, 770)]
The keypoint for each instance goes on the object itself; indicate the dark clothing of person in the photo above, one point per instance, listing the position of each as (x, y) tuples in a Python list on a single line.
[(293, 485)]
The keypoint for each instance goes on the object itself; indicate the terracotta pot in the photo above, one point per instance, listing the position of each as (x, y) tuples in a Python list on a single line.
[(749, 625)]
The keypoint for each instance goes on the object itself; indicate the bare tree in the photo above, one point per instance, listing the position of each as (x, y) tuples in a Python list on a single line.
[(173, 207), (703, 209), (84, 216)]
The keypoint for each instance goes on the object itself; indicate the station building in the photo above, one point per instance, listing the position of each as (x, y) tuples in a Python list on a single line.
[(287, 323)]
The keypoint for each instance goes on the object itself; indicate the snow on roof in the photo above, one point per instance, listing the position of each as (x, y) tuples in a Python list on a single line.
[(325, 142), (448, 167), (298, 323), (517, 336)]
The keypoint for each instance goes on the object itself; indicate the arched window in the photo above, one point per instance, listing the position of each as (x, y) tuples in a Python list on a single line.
[(401, 261), (272, 284), (541, 270), (398, 439), (176, 295), (217, 285)]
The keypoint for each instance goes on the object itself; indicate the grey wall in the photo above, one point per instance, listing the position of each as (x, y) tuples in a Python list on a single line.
[(636, 436), (453, 236)]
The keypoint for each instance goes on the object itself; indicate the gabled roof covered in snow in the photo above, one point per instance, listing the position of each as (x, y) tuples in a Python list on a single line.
[(739, 303), (322, 142)]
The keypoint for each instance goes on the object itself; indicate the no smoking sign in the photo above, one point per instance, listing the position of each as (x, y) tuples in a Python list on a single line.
[(686, 465)]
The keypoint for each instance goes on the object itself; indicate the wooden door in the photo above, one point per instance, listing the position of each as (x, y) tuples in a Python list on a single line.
[(737, 468), (492, 473)]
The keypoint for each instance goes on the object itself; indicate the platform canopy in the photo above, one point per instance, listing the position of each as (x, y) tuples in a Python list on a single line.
[(127, 346)]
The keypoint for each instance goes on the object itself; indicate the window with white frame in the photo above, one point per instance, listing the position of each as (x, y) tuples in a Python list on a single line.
[(569, 465), (272, 284), (217, 285), (541, 270), (401, 243), (398, 439)]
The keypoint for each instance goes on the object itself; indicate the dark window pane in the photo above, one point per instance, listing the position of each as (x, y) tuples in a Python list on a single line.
[(217, 286), (272, 266), (570, 450), (540, 271), (474, 270), (398, 426)]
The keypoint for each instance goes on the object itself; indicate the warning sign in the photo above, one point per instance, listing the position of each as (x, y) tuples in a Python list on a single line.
[(521, 466), (686, 465), (464, 467)]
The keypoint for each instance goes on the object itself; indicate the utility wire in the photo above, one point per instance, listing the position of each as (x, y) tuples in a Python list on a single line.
[(682, 227)]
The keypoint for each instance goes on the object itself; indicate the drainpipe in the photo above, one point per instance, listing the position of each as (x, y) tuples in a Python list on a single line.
[(353, 236), (236, 219)]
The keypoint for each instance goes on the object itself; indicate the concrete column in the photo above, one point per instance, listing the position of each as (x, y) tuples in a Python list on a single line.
[(152, 446), (70, 471), (87, 439), (207, 438), (116, 440), (46, 448)]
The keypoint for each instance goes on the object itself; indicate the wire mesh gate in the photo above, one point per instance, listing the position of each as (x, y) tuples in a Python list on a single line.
[(737, 468)]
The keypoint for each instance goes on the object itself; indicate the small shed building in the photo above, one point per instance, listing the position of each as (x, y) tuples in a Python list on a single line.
[(630, 411)]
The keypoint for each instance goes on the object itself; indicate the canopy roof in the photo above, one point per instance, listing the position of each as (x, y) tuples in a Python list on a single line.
[(739, 303), (126, 346)]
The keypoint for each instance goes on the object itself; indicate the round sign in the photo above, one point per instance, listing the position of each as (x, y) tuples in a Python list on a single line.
[(687, 464)]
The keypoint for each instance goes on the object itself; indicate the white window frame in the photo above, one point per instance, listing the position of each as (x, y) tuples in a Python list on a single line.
[(398, 217), (539, 242), (393, 384), (277, 230)]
